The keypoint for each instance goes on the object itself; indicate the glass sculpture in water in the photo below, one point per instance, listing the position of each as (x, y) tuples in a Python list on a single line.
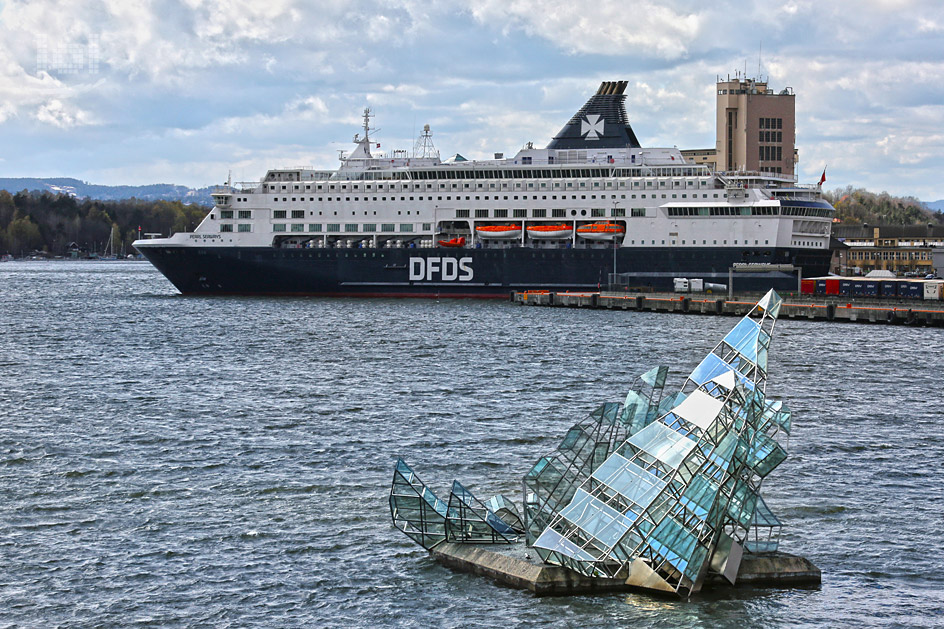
[(680, 497), (661, 490)]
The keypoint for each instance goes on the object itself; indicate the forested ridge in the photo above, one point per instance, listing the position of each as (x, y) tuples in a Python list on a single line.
[(856, 206), (53, 223)]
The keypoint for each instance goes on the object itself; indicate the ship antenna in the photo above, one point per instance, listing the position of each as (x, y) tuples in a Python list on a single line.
[(368, 114), (760, 54), (424, 144)]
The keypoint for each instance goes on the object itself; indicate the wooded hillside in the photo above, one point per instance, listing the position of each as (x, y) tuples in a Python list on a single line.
[(42, 221)]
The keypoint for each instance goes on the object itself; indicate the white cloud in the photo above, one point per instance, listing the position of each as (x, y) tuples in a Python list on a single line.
[(237, 82), (609, 28), (54, 112)]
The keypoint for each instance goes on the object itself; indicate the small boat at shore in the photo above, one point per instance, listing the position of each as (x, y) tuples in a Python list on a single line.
[(498, 232), (601, 231), (549, 232)]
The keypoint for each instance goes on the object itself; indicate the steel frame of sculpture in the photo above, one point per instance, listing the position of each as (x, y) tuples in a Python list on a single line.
[(429, 520), (552, 481), (680, 496)]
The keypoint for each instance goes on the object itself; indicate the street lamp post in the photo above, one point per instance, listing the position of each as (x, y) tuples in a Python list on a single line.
[(615, 243)]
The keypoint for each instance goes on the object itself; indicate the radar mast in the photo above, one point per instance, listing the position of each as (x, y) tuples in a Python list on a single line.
[(424, 144)]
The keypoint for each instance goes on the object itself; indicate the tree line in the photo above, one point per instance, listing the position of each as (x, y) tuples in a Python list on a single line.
[(56, 224), (855, 206)]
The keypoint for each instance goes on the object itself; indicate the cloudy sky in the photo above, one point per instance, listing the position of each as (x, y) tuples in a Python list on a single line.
[(135, 92)]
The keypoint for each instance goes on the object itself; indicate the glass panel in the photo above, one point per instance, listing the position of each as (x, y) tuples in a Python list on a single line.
[(743, 338), (552, 540), (596, 518), (629, 480), (699, 408), (663, 443)]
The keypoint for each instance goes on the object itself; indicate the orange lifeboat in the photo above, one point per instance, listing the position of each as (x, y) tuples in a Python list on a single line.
[(453, 242), (548, 232), (601, 231), (497, 232)]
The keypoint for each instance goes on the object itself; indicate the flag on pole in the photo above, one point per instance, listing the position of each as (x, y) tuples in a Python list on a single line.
[(822, 179)]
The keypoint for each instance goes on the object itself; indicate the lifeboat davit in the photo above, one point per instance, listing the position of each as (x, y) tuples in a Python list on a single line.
[(601, 231), (453, 242), (497, 232), (549, 232)]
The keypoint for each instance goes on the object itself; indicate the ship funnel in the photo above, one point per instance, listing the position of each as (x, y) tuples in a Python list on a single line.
[(601, 123)]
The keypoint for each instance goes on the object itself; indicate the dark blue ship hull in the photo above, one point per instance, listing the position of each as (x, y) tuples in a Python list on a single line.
[(441, 272)]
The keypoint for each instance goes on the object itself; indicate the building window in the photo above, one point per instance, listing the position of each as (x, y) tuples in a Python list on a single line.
[(226, 227), (298, 227), (427, 227), (539, 213), (481, 213), (597, 212), (298, 213), (501, 213), (519, 213), (334, 227), (245, 213), (406, 227), (350, 227), (226, 213), (314, 227), (387, 227), (244, 227), (278, 227), (278, 214), (462, 213)]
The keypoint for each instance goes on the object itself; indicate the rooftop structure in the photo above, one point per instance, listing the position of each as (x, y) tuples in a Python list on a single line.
[(755, 129)]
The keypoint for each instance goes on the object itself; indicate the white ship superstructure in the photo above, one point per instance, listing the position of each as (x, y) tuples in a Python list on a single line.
[(593, 172)]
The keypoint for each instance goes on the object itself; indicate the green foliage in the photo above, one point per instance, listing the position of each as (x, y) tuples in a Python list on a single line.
[(855, 206), (31, 221)]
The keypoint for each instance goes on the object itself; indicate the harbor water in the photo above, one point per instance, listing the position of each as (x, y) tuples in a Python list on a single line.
[(170, 460)]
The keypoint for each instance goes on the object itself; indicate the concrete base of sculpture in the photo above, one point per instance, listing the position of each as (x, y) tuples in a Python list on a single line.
[(516, 567)]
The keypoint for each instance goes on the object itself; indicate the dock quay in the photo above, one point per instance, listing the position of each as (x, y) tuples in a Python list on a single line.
[(802, 307), (517, 567)]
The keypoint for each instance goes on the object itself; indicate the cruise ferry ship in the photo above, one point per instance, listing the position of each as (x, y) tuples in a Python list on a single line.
[(591, 204)]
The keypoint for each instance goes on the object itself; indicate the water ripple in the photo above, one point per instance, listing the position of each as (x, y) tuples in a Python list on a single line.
[(225, 461)]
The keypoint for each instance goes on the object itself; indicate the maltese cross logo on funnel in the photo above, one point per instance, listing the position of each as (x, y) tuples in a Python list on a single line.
[(591, 127)]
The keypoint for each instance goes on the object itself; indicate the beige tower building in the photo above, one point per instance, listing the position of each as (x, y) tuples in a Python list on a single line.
[(755, 129)]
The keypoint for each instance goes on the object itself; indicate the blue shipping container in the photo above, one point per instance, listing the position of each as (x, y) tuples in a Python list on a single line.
[(845, 287), (888, 288)]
